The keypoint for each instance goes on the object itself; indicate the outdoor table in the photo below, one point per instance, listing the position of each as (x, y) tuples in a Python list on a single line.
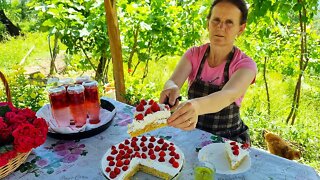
[(81, 159)]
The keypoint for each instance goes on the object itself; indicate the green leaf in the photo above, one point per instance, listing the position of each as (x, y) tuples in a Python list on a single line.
[(23, 168), (4, 110), (50, 170), (304, 19), (5, 148), (216, 139), (297, 7)]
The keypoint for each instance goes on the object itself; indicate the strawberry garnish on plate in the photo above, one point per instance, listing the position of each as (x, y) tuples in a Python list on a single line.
[(172, 160), (150, 145), (162, 154), (142, 144), (148, 111), (153, 156), (126, 162), (235, 147), (110, 158), (157, 148), (175, 164), (160, 141), (127, 142), (177, 156), (143, 102), (117, 170), (113, 175), (139, 117), (155, 107), (233, 143), (119, 163), (151, 102), (235, 152), (144, 148), (245, 146), (108, 169), (152, 139), (124, 168), (161, 159), (144, 138), (172, 153), (140, 107)]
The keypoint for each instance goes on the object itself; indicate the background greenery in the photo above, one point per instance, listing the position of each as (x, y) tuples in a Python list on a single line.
[(154, 35)]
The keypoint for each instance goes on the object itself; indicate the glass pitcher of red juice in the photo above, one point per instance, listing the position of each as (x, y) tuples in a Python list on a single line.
[(59, 105), (77, 106), (92, 101)]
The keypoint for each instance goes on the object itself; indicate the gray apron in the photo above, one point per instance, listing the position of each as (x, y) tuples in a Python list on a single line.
[(227, 122)]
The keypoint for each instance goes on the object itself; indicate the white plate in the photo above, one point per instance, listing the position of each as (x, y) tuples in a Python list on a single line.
[(45, 113), (216, 154)]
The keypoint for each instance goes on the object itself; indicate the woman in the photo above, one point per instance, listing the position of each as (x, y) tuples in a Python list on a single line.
[(218, 75)]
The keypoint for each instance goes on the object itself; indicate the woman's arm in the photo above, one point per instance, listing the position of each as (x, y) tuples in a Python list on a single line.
[(186, 115), (172, 87)]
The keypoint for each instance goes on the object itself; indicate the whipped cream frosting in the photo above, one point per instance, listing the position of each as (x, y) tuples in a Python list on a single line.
[(165, 166)]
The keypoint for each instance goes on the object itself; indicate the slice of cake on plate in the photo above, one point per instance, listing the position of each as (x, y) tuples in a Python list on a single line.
[(236, 153), (149, 115), (152, 155)]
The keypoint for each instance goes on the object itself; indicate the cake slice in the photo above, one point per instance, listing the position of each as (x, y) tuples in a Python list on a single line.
[(149, 115), (236, 153)]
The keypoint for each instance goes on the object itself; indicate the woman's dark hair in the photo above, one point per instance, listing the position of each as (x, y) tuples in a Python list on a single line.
[(241, 4)]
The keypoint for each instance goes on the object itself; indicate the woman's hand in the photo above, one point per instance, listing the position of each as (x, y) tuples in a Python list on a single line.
[(185, 117), (170, 95)]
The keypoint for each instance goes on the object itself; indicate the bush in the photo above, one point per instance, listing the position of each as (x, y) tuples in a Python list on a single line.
[(24, 91)]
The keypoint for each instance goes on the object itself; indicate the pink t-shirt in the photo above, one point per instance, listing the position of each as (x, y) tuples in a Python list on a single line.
[(215, 74)]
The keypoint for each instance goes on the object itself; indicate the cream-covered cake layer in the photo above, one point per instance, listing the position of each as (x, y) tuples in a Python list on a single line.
[(236, 151), (158, 117), (165, 166)]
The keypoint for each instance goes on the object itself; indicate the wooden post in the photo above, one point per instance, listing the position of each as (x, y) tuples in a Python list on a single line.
[(115, 46)]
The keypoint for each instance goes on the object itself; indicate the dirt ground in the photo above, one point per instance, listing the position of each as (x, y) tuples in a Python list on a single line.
[(42, 65)]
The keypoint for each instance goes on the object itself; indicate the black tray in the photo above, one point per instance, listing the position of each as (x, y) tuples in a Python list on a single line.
[(86, 134)]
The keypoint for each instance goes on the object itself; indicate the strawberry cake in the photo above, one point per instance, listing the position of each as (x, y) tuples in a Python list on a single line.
[(148, 154), (236, 153), (149, 115)]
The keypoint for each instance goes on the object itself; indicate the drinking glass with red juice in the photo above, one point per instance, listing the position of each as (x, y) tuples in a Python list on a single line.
[(77, 106), (92, 101), (59, 105), (67, 82)]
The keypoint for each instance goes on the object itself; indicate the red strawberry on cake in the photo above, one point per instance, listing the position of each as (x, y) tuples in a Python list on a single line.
[(149, 115), (123, 160), (236, 153)]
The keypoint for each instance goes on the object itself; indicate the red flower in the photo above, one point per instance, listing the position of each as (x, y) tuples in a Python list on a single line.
[(27, 113), (5, 135), (20, 130), (40, 123), (23, 144), (5, 157), (2, 124), (10, 115)]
